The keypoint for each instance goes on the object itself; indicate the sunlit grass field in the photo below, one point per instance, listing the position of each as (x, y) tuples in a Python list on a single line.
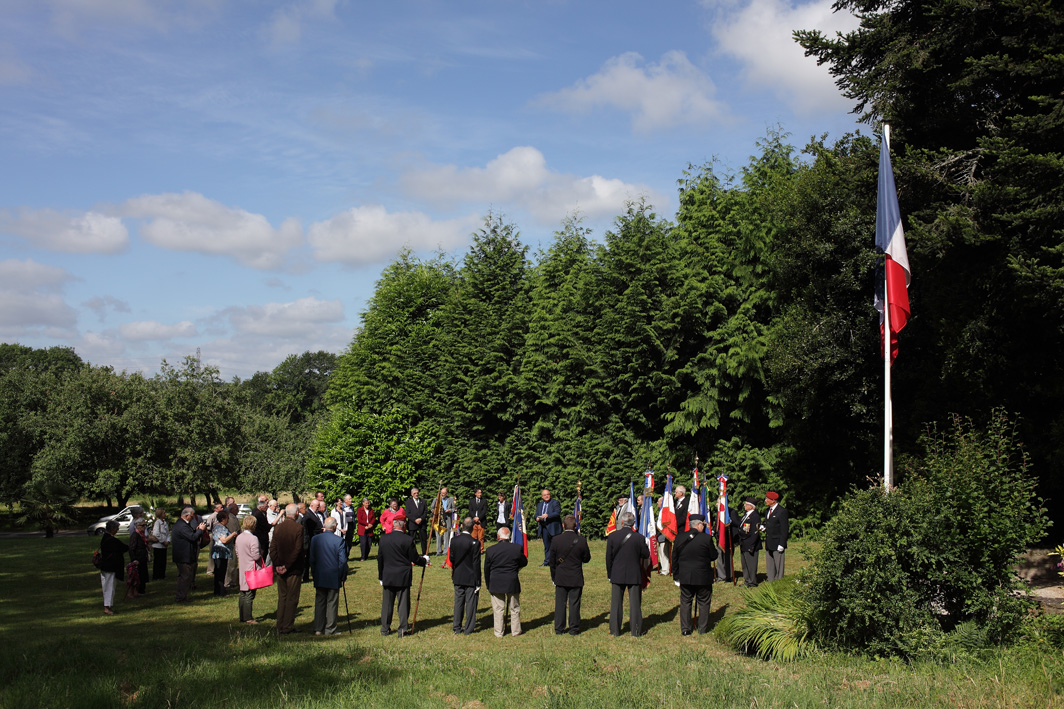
[(57, 649)]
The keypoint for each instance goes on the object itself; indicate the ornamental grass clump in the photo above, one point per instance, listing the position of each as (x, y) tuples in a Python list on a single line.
[(774, 625)]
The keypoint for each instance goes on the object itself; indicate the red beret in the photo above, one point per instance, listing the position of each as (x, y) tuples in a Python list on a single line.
[(772, 495)]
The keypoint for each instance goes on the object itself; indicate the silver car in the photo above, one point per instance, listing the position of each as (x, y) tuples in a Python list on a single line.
[(124, 518)]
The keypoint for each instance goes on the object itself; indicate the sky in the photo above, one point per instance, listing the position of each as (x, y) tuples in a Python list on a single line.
[(233, 175)]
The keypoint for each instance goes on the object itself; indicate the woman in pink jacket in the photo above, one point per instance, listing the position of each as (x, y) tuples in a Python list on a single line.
[(247, 554)]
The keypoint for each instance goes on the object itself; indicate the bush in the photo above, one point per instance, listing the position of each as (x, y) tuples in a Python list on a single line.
[(895, 574)]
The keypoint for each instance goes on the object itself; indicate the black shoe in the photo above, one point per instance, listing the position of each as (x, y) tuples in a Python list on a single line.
[(544, 564), (385, 633), (685, 633)]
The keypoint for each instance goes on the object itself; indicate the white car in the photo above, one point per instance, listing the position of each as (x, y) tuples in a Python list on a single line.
[(124, 518)]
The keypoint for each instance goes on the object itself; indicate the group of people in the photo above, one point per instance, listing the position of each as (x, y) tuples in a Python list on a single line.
[(748, 531), (302, 542)]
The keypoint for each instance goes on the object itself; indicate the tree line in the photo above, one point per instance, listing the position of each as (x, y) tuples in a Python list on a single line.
[(97, 433)]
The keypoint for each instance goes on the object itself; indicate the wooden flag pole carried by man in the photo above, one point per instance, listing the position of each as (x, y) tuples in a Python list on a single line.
[(893, 303), (424, 552)]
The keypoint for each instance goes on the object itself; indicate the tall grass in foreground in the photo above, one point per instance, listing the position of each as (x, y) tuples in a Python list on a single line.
[(773, 625), (58, 650)]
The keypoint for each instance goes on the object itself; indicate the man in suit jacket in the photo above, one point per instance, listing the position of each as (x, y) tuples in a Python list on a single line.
[(286, 550), (465, 575), (313, 522), (395, 554), (186, 538), (478, 512), (692, 571), (726, 553), (549, 517), (681, 510), (417, 518), (749, 536), (262, 527), (328, 557), (776, 530), (502, 562), (625, 551), (568, 554)]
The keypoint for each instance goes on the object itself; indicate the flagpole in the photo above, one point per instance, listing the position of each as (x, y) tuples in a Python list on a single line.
[(888, 414)]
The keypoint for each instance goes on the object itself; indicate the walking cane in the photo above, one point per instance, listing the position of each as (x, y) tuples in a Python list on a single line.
[(347, 608)]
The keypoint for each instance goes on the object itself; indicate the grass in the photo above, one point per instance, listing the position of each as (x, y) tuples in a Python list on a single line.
[(58, 650)]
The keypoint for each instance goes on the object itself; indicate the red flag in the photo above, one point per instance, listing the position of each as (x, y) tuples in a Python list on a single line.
[(890, 239), (667, 514)]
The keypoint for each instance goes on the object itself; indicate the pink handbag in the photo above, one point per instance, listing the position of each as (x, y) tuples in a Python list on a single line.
[(259, 577)]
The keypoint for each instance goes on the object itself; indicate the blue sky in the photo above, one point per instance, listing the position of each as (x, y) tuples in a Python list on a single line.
[(233, 175)]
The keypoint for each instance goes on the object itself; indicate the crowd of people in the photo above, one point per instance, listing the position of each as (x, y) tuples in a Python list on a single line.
[(308, 542)]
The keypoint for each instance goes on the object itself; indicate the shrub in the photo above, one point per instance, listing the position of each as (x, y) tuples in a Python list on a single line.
[(896, 573)]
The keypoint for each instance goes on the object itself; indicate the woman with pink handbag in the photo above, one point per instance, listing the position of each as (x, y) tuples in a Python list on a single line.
[(249, 558)]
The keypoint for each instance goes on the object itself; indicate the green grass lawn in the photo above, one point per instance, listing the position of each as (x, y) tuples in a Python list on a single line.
[(57, 649)]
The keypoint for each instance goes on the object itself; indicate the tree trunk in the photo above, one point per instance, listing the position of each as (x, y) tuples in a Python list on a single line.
[(122, 500), (49, 531), (214, 496), (295, 498), (108, 501), (181, 500)]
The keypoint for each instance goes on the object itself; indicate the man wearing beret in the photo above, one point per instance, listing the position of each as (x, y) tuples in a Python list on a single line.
[(776, 532), (749, 536), (692, 571)]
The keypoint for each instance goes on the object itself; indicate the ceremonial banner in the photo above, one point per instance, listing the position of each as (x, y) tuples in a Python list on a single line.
[(578, 512), (518, 532), (667, 514)]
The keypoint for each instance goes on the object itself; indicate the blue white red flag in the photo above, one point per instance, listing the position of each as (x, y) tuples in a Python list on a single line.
[(649, 530), (890, 239), (723, 514), (667, 514), (518, 532), (578, 512)]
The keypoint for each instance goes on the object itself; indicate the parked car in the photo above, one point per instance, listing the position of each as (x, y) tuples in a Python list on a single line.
[(123, 518)]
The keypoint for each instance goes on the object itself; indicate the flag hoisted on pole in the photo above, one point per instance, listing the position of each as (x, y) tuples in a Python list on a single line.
[(892, 301), (649, 530), (518, 533), (667, 513), (578, 510)]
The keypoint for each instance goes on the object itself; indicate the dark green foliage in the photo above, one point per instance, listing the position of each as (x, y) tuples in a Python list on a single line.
[(895, 573), (47, 505), (370, 455)]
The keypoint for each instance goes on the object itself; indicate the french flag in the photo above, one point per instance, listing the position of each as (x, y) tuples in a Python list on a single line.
[(518, 533), (890, 239)]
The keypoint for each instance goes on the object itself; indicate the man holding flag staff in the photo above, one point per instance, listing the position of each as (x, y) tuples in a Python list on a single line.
[(749, 536), (776, 531), (692, 571)]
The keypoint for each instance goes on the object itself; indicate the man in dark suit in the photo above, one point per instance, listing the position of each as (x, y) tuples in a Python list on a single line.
[(549, 517), (478, 512), (328, 556), (395, 554), (726, 553), (186, 537), (692, 571), (465, 575), (776, 528), (502, 562), (286, 550), (625, 551), (417, 521), (749, 536), (568, 554), (681, 510), (313, 522)]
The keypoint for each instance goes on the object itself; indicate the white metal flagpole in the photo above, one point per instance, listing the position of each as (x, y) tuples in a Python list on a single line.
[(888, 423)]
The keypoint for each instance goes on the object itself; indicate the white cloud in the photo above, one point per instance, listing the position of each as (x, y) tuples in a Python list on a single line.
[(191, 222), (286, 23), (371, 234), (298, 318), (659, 96), (85, 232), (152, 330), (30, 298), (521, 176), (100, 305), (759, 35)]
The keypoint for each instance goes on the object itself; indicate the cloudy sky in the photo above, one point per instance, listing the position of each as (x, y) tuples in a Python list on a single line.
[(233, 175)]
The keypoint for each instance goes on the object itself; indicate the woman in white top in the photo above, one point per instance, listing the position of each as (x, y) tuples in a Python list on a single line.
[(272, 515), (340, 517), (160, 541)]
